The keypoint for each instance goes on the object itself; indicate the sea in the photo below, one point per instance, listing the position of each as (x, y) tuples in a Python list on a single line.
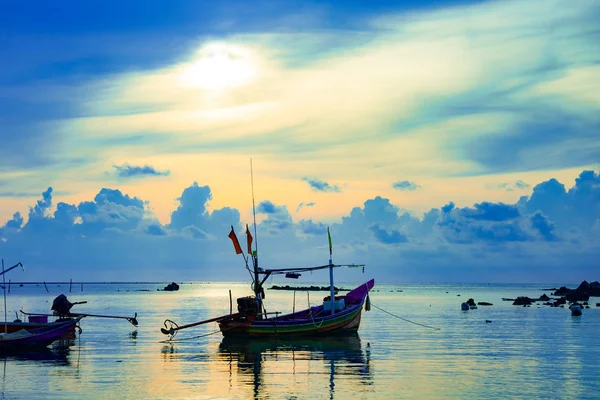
[(414, 343)]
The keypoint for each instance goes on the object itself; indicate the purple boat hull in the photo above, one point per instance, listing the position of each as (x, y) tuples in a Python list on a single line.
[(37, 338)]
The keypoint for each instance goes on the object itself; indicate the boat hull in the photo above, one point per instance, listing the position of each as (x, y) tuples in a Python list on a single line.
[(12, 327), (315, 321), (38, 337)]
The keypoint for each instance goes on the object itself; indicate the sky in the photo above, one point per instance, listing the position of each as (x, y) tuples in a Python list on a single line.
[(440, 141)]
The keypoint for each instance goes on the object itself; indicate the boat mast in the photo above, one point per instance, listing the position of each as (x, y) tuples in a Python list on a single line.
[(4, 287), (331, 287), (257, 289)]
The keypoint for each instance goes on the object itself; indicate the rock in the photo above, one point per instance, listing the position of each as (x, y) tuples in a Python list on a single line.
[(544, 297), (471, 302), (562, 291), (523, 301), (483, 303), (171, 287)]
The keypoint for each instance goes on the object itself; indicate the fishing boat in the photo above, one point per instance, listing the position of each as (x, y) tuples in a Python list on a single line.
[(35, 337), (38, 337), (576, 309), (61, 307), (336, 315)]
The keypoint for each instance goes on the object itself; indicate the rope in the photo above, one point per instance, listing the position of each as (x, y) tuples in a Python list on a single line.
[(190, 338), (404, 319)]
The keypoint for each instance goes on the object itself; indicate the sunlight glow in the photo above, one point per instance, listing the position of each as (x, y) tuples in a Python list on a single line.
[(219, 67)]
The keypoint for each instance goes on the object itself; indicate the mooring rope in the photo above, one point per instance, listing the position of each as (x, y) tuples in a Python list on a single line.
[(404, 319), (190, 338)]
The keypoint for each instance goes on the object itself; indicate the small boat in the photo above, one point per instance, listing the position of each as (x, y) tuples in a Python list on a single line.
[(576, 309), (38, 337), (336, 315), (34, 337)]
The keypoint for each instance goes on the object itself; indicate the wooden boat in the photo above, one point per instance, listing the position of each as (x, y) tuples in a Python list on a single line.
[(335, 316), (36, 338), (315, 321)]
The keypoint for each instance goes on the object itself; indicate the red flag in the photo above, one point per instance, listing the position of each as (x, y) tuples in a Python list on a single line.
[(249, 238), (236, 243)]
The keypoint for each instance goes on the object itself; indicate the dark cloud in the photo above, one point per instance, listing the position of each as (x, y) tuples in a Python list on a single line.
[(405, 185), (385, 237), (542, 138), (321, 186), (129, 171)]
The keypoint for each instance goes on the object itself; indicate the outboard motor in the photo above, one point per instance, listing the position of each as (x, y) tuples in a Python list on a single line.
[(248, 305), (61, 305)]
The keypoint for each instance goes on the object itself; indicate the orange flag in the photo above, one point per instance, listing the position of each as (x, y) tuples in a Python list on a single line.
[(249, 238), (236, 243)]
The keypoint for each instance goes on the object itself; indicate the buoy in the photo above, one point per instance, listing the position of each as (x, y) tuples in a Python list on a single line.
[(368, 303)]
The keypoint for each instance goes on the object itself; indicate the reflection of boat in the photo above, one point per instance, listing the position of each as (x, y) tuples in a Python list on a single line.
[(341, 356), (347, 346), (44, 354)]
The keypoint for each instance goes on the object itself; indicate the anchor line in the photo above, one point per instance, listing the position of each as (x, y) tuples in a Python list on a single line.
[(404, 319)]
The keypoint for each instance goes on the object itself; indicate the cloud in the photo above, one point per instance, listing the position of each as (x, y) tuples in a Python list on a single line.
[(303, 204), (15, 222), (405, 185), (116, 236), (510, 187), (321, 186), (382, 236), (128, 171)]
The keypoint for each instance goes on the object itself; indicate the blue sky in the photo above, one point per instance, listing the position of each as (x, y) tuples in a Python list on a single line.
[(440, 141)]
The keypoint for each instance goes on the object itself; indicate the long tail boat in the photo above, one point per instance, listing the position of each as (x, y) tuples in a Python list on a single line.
[(36, 338), (336, 315)]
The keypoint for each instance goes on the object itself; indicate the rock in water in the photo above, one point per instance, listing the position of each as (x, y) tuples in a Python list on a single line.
[(171, 287)]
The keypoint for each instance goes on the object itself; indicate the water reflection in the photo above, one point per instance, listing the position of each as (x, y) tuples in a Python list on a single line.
[(57, 356), (265, 363)]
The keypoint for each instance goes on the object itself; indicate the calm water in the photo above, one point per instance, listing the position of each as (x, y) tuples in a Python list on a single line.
[(530, 353)]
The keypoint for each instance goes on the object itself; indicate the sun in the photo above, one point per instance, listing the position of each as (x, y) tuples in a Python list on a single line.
[(219, 67)]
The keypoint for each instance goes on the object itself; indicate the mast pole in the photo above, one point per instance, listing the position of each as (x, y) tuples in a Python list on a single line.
[(4, 287), (331, 286), (257, 290)]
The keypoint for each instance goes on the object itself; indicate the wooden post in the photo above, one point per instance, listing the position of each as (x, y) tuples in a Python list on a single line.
[(82, 286), (46, 287), (70, 284), (9, 285), (230, 303)]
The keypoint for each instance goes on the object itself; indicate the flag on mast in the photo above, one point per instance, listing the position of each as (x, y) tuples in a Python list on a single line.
[(236, 243), (249, 238)]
